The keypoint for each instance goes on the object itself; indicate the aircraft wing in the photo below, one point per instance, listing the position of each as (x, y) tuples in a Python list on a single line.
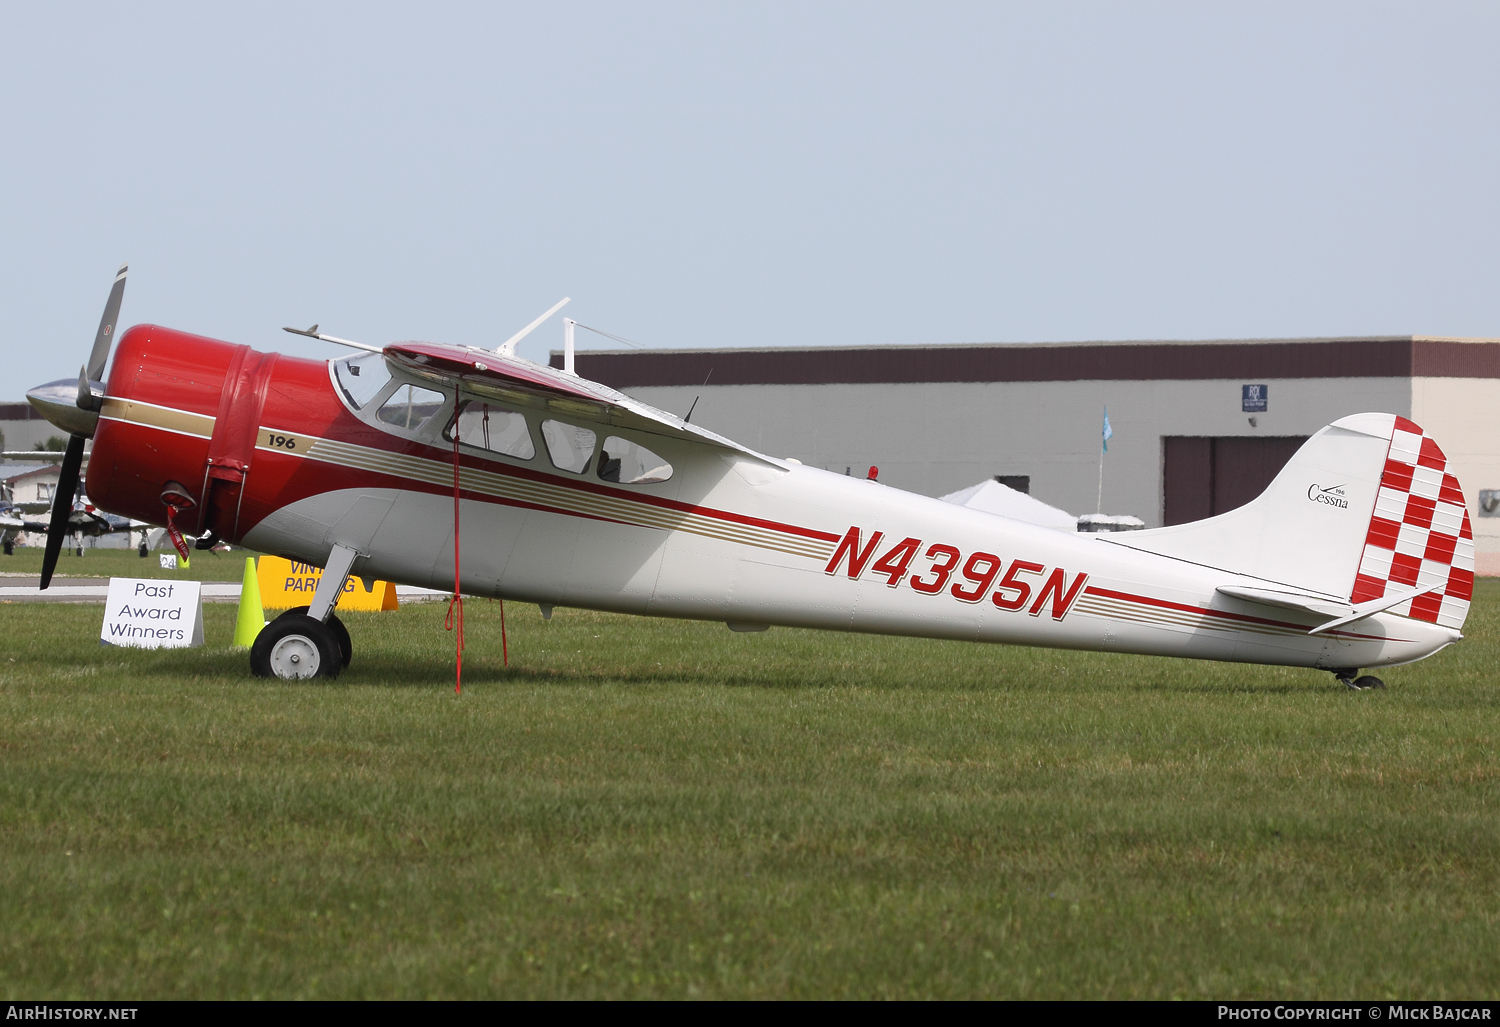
[(518, 381), (18, 524)]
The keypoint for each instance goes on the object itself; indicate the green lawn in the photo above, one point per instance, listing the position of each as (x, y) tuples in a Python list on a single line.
[(656, 809), (127, 563)]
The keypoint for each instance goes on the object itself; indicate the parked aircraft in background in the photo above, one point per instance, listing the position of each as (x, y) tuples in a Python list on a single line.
[(473, 469), (84, 521)]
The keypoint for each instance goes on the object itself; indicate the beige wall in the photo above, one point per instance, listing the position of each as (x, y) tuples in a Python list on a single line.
[(26, 434), (935, 438), (1459, 413)]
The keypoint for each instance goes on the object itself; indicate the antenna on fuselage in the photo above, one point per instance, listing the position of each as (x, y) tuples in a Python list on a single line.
[(688, 419)]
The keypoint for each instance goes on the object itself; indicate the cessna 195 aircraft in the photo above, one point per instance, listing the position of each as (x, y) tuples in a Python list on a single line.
[(563, 491)]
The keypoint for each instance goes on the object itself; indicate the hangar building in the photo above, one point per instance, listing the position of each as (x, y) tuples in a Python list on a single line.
[(1200, 427), (22, 428)]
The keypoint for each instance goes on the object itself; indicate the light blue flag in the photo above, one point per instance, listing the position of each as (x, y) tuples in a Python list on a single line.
[(1109, 432)]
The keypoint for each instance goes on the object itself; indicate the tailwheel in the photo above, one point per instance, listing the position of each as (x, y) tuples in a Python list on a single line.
[(295, 646), (1361, 683)]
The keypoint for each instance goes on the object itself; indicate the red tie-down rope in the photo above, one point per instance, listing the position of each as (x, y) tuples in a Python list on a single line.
[(175, 533), (456, 603)]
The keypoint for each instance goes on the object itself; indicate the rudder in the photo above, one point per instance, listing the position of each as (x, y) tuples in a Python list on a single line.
[(1367, 507), (1419, 533)]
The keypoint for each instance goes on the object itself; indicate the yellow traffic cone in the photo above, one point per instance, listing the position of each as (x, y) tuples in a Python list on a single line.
[(252, 616)]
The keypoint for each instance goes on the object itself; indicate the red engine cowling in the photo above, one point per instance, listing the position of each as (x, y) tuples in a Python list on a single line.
[(185, 409)]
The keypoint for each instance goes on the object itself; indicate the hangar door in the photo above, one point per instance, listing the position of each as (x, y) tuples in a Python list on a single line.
[(1206, 476)]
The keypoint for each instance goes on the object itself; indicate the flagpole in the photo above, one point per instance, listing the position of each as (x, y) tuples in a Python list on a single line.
[(1099, 506), (1104, 433)]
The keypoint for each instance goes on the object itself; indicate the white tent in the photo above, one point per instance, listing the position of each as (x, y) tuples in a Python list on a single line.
[(993, 497)]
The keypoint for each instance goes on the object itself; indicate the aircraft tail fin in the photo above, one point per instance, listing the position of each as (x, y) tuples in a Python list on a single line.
[(1366, 509)]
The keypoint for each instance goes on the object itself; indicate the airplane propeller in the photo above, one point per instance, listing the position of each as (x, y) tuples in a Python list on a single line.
[(89, 398)]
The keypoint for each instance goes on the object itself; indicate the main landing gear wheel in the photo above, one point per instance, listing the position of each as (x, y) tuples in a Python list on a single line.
[(294, 646), (340, 633)]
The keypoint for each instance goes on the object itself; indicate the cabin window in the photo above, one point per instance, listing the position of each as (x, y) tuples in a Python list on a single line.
[(569, 446), (361, 377), (631, 463), (486, 426), (409, 406)]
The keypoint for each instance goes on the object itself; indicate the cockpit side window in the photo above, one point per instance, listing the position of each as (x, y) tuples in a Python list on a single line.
[(361, 377), (630, 463), (570, 447), (485, 426), (409, 406)]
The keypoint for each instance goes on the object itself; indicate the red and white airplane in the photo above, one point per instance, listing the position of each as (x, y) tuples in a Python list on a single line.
[(566, 492)]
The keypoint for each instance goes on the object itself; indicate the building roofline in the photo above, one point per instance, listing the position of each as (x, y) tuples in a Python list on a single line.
[(34, 469), (924, 346), (1403, 356)]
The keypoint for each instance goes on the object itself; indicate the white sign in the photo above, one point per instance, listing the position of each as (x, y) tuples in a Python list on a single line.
[(169, 561), (152, 614)]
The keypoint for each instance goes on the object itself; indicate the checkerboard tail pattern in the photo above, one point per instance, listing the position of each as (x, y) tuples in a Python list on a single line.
[(1419, 533)]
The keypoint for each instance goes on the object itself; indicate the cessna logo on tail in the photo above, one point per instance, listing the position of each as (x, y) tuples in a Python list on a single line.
[(1024, 582), (1333, 496)]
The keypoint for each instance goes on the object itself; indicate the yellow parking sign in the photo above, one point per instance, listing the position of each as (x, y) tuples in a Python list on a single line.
[(285, 584)]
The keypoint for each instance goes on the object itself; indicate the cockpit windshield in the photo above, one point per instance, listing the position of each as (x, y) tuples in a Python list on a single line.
[(361, 377)]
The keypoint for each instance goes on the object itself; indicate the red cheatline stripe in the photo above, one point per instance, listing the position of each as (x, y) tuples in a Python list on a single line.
[(527, 474), (1167, 604), (480, 496)]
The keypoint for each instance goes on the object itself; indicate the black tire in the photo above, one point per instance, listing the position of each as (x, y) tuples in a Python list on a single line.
[(1368, 681), (340, 633), (143, 551), (10, 548), (292, 645)]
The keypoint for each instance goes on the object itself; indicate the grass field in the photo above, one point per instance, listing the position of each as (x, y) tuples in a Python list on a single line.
[(126, 563), (645, 808)]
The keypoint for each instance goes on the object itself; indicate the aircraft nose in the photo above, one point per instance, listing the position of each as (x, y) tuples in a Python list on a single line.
[(58, 402)]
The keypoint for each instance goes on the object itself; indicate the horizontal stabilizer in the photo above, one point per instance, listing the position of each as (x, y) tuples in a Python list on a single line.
[(1374, 606), (1320, 605)]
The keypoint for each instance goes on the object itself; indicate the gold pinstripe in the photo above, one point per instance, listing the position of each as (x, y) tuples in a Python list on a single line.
[(1118, 609), (153, 416), (504, 486)]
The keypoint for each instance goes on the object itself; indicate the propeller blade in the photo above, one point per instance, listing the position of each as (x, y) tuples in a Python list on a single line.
[(100, 354), (62, 504)]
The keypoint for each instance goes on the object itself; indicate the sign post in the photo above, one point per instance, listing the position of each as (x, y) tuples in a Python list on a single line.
[(286, 584), (152, 613)]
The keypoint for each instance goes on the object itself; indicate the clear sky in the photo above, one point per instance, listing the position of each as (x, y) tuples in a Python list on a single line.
[(716, 174)]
